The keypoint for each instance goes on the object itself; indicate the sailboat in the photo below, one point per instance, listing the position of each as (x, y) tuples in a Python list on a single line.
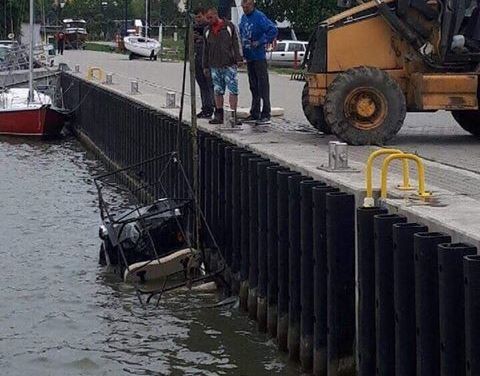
[(142, 46), (27, 112)]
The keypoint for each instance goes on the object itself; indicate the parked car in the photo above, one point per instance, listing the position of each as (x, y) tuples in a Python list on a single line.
[(284, 53)]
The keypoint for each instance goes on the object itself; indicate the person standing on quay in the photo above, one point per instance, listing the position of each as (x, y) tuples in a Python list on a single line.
[(221, 57), (60, 42), (204, 81), (256, 31)]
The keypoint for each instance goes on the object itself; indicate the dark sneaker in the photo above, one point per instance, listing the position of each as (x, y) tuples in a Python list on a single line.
[(250, 119), (263, 121), (204, 115)]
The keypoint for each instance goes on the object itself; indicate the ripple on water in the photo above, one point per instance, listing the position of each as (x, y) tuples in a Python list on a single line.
[(65, 316)]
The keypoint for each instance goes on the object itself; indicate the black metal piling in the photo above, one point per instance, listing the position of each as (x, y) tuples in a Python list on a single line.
[(341, 283), (294, 264), (426, 301), (471, 266), (236, 219), (320, 362), (283, 253), (404, 296), (253, 270), (263, 270), (366, 349), (384, 303), (272, 249), (451, 290), (306, 273), (244, 229)]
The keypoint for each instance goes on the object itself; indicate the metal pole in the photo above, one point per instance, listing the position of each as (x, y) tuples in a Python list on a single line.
[(193, 117), (30, 60), (126, 17)]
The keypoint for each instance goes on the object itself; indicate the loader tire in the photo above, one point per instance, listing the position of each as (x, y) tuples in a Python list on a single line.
[(364, 106), (314, 114), (468, 120)]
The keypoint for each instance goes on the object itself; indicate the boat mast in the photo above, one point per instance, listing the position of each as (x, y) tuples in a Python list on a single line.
[(146, 18), (30, 60)]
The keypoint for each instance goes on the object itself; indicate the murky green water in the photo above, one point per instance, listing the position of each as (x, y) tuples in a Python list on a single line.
[(61, 314)]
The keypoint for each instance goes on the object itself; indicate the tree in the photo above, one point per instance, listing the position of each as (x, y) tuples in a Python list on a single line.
[(303, 14)]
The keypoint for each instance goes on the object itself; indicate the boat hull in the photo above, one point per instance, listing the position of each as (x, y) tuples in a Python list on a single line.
[(149, 48), (42, 121)]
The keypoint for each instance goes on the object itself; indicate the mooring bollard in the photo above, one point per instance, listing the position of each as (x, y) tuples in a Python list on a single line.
[(471, 265), (426, 301), (109, 79), (283, 252), (263, 272), (452, 306), (294, 265), (404, 297), (170, 100), (134, 87), (244, 229), (320, 362), (384, 302), (272, 249), (77, 68), (253, 231), (341, 283), (366, 290), (306, 273)]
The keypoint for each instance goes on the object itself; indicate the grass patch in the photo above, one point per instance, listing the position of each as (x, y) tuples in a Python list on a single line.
[(91, 46)]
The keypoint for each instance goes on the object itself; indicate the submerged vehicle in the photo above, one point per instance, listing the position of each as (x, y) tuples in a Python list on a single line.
[(149, 238)]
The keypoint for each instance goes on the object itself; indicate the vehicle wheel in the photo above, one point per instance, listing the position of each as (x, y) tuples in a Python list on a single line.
[(130, 56), (314, 114), (102, 260), (468, 120), (364, 106)]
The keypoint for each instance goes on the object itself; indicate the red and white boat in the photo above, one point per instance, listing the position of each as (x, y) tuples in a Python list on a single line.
[(20, 116)]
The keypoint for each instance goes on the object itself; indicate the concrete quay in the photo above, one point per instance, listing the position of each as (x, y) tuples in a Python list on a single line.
[(452, 156)]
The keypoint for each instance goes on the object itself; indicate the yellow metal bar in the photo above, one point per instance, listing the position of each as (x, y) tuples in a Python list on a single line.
[(369, 170), (420, 171), (91, 73)]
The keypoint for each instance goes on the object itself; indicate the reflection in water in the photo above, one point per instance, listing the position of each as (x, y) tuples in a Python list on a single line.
[(60, 314)]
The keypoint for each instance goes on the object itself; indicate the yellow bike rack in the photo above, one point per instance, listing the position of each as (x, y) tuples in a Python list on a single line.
[(420, 170), (91, 74), (368, 201)]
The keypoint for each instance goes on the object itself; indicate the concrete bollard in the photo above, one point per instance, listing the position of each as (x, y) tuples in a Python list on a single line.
[(294, 265), (366, 289), (134, 87), (426, 301), (384, 303), (109, 79), (170, 100)]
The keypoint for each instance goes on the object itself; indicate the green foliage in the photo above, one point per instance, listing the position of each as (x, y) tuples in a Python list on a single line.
[(303, 14)]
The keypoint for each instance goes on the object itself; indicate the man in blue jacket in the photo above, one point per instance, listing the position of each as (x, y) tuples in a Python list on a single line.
[(256, 31)]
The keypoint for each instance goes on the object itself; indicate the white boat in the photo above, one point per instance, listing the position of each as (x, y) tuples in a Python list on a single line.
[(142, 46)]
